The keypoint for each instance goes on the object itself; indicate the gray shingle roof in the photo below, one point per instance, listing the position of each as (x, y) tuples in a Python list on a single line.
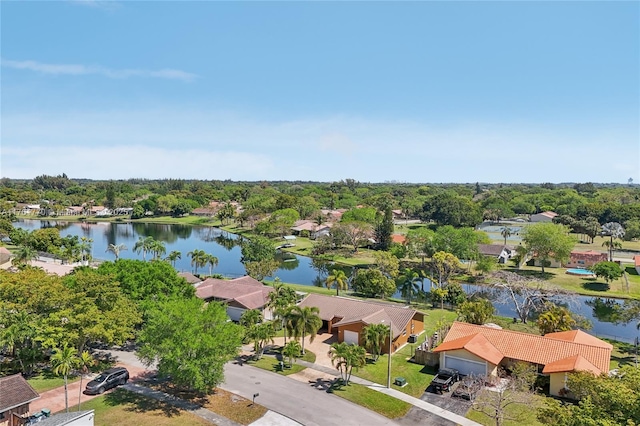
[(64, 418), (15, 391)]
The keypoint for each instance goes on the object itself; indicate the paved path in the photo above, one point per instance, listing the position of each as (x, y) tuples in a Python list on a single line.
[(302, 402)]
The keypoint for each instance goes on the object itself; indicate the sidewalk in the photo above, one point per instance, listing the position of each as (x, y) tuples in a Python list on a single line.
[(417, 402)]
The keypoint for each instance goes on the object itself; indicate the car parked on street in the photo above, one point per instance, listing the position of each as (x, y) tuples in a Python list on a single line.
[(107, 380)]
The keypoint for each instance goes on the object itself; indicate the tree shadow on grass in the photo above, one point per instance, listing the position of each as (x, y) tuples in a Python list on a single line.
[(628, 354), (595, 286), (138, 403), (528, 273)]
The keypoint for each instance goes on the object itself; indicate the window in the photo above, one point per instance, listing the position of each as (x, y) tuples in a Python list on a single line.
[(580, 262), (404, 332)]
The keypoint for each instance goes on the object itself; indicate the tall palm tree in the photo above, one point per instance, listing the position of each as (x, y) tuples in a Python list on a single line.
[(86, 247), (374, 336), (157, 248), (506, 232), (64, 361), (261, 334), (408, 283), (85, 360), (198, 258), (116, 249), (24, 256), (173, 256), (305, 320), (346, 357), (143, 245), (338, 279), (612, 230), (212, 261)]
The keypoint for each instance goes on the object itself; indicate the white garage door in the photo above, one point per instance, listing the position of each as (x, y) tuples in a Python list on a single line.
[(351, 337), (464, 366)]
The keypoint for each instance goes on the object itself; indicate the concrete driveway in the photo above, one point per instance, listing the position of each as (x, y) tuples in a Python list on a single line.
[(320, 346)]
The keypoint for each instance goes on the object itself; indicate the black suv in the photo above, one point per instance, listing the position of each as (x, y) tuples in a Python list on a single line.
[(107, 380)]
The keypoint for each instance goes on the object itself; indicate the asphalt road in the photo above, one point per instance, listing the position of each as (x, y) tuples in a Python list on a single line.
[(297, 400)]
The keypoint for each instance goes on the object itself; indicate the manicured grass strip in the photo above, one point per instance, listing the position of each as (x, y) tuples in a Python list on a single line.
[(45, 383), (379, 402), (418, 376), (234, 407), (271, 363), (127, 408)]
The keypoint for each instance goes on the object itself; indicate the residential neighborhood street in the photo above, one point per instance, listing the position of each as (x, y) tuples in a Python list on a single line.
[(302, 402)]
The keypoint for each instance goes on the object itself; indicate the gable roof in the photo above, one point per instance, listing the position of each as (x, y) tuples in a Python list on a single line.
[(549, 214), (191, 279), (15, 391), (532, 348), (491, 249), (572, 363), (477, 344), (349, 311), (246, 291)]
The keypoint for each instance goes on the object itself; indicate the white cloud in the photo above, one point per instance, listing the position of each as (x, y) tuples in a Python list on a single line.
[(79, 69), (204, 144)]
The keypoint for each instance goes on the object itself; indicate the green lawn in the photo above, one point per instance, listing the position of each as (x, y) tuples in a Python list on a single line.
[(45, 382), (126, 408), (418, 376), (622, 354), (271, 363), (373, 400)]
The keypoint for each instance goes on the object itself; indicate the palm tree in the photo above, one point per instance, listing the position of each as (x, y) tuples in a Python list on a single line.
[(157, 248), (292, 350), (212, 261), (374, 336), (261, 334), (143, 245), (338, 279), (64, 361), (173, 256), (198, 258), (116, 249), (408, 283), (346, 357), (305, 320), (250, 318), (86, 246), (85, 360), (506, 232), (612, 230), (24, 256)]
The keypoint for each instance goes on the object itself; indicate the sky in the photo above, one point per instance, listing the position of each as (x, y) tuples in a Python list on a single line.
[(421, 92)]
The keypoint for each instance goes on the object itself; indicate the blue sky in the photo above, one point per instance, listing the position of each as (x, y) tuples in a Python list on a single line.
[(374, 91)]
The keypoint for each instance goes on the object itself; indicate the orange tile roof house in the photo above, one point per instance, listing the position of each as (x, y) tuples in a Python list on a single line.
[(585, 259), (636, 260), (15, 396), (347, 317), (476, 349), (240, 295)]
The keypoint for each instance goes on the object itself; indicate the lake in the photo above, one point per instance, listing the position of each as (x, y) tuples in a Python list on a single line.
[(293, 268)]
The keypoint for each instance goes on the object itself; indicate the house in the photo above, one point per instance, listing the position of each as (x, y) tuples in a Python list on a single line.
[(74, 418), (397, 214), (347, 317), (543, 217), (240, 295), (636, 260), (499, 251), (585, 259), (311, 229), (15, 396), (191, 279), (73, 211), (476, 349), (204, 211), (398, 239)]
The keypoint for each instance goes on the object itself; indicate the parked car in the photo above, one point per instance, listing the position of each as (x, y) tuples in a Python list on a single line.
[(467, 389), (107, 380), (445, 378)]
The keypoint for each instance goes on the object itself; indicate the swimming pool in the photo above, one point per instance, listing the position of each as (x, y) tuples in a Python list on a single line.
[(580, 272)]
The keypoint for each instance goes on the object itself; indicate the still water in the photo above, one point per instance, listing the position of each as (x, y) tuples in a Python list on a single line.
[(293, 268)]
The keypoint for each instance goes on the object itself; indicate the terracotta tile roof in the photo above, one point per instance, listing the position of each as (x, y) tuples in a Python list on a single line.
[(246, 291), (398, 238), (549, 214), (579, 336), (349, 311), (636, 259), (4, 250), (572, 363), (477, 344), (14, 392), (532, 348)]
